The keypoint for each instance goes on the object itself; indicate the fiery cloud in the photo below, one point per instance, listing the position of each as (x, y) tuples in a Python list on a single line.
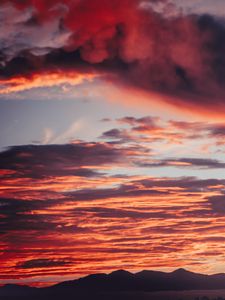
[(18, 84), (130, 42)]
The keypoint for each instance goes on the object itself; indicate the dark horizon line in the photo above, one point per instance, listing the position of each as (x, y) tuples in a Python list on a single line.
[(117, 271)]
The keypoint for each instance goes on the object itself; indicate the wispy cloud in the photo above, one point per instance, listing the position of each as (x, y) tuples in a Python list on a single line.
[(70, 132), (47, 136)]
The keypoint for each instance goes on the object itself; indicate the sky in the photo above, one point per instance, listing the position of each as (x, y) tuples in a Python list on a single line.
[(112, 140)]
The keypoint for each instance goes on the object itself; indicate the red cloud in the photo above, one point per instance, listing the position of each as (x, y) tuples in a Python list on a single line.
[(181, 55)]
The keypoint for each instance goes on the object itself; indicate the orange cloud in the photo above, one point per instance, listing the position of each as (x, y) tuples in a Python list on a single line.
[(48, 79)]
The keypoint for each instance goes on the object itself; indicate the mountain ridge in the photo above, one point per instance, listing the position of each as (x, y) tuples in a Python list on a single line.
[(119, 281)]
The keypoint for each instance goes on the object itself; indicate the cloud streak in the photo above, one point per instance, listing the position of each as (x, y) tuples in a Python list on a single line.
[(148, 215)]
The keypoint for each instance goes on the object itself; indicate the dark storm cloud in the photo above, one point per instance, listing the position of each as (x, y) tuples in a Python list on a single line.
[(18, 215), (20, 219), (178, 55), (217, 204), (38, 161), (44, 263), (118, 192), (12, 207)]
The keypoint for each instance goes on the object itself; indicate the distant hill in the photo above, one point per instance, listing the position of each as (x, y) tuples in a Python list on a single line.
[(118, 285)]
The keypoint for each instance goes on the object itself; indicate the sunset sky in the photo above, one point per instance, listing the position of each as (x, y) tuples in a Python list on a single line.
[(112, 137)]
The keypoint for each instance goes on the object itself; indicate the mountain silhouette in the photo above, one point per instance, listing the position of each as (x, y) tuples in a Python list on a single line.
[(121, 283)]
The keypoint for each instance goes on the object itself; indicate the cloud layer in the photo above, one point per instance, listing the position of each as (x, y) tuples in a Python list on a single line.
[(71, 209)]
